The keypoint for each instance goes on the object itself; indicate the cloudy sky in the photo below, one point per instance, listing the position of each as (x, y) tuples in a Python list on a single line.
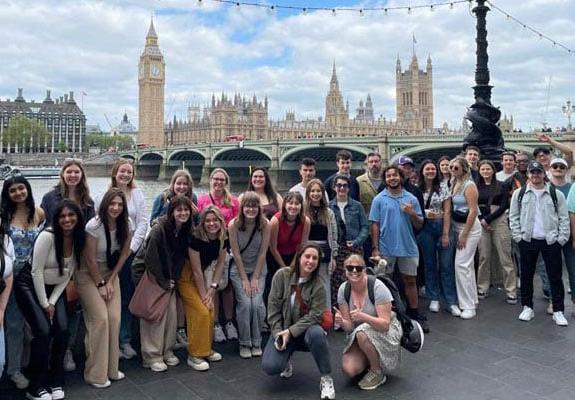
[(94, 47)]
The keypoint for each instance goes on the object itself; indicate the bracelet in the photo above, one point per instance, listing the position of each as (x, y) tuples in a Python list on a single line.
[(100, 284)]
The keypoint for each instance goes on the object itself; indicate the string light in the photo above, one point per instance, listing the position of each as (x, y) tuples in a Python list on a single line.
[(361, 11), (541, 36)]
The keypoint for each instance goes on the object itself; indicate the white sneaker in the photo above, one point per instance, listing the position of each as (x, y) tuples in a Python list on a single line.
[(159, 367), (119, 377), (454, 310), (19, 380), (467, 314), (231, 331), (559, 318), (214, 356), (288, 371), (69, 364), (434, 306), (127, 351), (527, 314), (171, 360), (40, 394), (102, 385), (326, 388), (57, 393), (198, 364), (219, 336), (245, 352)]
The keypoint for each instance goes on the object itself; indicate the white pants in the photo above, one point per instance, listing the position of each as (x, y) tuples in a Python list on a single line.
[(464, 267)]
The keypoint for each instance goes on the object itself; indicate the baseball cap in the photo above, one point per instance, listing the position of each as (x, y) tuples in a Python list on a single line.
[(559, 160), (403, 160), (535, 166)]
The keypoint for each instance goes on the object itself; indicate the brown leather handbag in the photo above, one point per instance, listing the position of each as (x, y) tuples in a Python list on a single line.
[(150, 301)]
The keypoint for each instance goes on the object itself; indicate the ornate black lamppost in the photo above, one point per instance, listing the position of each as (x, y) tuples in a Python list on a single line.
[(483, 116)]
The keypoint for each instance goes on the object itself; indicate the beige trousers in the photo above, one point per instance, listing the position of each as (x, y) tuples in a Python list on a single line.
[(496, 243), (158, 339), (102, 320)]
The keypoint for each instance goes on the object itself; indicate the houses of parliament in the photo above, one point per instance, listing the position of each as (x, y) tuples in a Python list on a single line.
[(239, 118)]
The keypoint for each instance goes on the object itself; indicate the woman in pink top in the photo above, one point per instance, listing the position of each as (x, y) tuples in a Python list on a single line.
[(220, 196)]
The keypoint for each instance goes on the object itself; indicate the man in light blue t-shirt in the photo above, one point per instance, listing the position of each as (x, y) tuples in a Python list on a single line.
[(393, 215)]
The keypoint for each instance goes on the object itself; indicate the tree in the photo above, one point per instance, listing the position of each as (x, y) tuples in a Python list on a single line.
[(27, 134), (120, 142)]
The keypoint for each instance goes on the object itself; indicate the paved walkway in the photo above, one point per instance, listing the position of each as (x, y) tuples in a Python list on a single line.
[(492, 357)]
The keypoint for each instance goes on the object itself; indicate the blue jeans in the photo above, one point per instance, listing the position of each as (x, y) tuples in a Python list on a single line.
[(313, 340), (439, 268), (250, 311), (127, 288)]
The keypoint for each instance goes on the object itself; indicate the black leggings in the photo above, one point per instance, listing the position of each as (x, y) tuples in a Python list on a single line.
[(50, 339)]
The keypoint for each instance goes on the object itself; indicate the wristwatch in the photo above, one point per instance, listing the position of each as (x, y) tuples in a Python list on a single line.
[(215, 285), (100, 284)]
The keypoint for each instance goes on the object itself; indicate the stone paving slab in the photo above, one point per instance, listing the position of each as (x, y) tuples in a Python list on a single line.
[(492, 357)]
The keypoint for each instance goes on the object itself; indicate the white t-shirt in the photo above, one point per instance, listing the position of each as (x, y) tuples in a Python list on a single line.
[(538, 229), (95, 228), (502, 176), (341, 206)]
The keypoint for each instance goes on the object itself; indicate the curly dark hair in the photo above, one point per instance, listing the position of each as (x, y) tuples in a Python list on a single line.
[(78, 235)]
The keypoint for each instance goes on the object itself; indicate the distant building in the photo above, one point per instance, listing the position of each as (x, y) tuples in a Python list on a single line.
[(506, 124), (64, 120), (414, 95), (125, 128)]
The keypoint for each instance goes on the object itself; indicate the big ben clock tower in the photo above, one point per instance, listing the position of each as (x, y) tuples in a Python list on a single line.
[(151, 82)]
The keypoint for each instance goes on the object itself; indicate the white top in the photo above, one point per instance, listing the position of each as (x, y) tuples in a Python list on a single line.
[(95, 228), (538, 227), (502, 176), (45, 269), (137, 214), (8, 256), (341, 205)]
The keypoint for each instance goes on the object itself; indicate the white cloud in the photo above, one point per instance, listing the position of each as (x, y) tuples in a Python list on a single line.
[(95, 46)]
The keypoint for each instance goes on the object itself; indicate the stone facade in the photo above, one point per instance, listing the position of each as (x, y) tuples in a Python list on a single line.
[(151, 83), (64, 120), (414, 96)]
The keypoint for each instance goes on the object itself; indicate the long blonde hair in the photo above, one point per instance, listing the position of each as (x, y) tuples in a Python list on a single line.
[(457, 184), (200, 231), (227, 197), (116, 167)]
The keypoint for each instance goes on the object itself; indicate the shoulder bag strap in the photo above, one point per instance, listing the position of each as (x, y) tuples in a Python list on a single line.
[(250, 240)]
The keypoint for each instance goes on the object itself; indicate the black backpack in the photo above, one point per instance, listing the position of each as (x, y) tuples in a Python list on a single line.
[(552, 193), (413, 337)]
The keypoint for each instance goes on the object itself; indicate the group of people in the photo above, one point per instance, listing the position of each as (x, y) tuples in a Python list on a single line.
[(293, 266)]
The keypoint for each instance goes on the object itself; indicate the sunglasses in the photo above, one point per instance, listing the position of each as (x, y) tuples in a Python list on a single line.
[(341, 185), (558, 166), (355, 268), (454, 168)]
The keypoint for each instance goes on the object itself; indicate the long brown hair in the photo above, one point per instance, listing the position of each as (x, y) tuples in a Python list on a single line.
[(289, 197), (295, 266), (122, 222), (83, 190), (178, 174), (316, 214), (116, 167)]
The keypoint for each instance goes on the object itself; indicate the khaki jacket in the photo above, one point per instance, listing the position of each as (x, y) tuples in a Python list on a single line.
[(366, 192), (280, 308)]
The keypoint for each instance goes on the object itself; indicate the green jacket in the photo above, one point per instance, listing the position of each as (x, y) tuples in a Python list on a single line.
[(279, 303), (366, 192)]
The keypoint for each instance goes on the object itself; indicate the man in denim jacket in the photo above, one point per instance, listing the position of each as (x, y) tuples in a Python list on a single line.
[(540, 224)]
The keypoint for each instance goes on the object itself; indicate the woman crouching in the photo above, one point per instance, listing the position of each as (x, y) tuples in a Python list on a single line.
[(295, 307), (374, 333)]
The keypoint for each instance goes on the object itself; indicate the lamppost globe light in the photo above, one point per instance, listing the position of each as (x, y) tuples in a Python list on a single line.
[(568, 110)]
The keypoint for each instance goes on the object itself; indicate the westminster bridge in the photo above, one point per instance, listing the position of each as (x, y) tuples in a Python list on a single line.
[(282, 156)]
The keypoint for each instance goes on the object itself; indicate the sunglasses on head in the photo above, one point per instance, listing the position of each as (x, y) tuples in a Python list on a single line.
[(355, 268)]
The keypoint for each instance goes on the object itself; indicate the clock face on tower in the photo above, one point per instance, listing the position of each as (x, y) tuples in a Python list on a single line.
[(155, 70)]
